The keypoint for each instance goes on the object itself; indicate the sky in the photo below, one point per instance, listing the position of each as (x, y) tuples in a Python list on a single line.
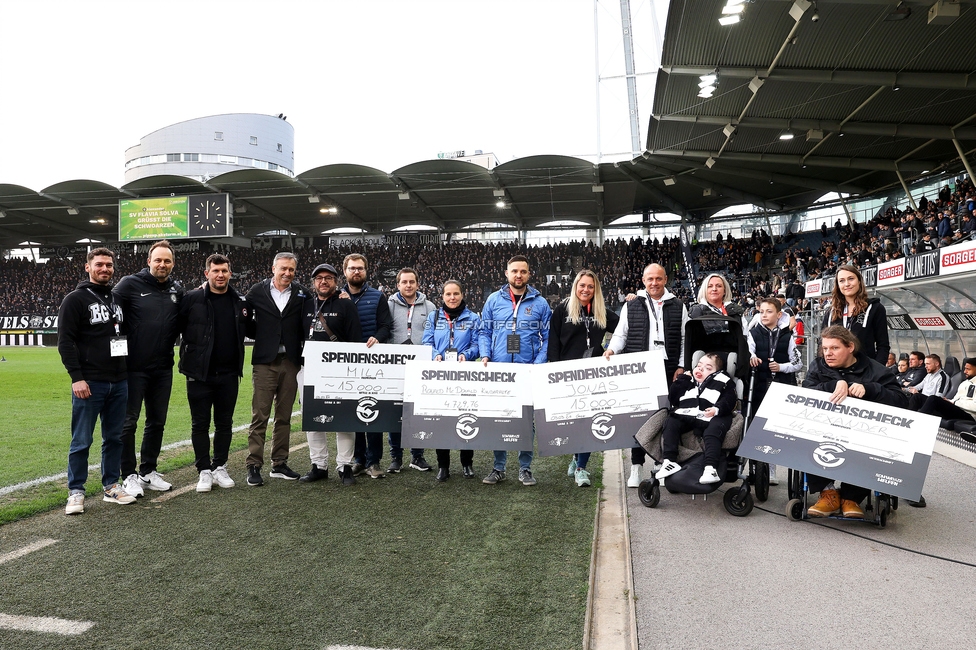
[(372, 82)]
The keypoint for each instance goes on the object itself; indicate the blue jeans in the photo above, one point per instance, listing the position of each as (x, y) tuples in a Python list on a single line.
[(501, 458), (108, 400), (582, 459)]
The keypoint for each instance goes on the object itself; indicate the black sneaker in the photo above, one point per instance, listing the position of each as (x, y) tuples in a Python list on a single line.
[(443, 474), (526, 477), (395, 466), (419, 463), (467, 471), (254, 476), (357, 469), (346, 474), (315, 474), (285, 472), (494, 477), (918, 504)]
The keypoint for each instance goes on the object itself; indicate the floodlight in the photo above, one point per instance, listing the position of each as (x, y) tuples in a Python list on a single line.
[(786, 136), (669, 181), (733, 8), (728, 20)]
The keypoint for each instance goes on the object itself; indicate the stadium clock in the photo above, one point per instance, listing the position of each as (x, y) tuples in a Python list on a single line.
[(208, 216)]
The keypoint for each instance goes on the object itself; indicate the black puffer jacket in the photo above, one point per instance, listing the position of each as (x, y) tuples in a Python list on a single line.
[(880, 384), (150, 309)]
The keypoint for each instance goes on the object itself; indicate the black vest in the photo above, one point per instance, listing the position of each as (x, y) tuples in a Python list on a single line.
[(760, 335), (638, 325)]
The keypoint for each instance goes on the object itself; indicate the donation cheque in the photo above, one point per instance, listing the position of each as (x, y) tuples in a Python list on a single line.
[(596, 404), (450, 405), (870, 445), (349, 387)]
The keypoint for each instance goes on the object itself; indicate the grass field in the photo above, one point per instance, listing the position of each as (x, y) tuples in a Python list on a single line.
[(402, 562)]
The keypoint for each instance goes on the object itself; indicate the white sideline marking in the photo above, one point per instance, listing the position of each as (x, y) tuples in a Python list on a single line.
[(95, 468), (354, 647), (30, 548), (44, 624)]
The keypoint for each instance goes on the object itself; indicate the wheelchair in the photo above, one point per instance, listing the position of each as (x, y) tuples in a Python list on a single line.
[(881, 505)]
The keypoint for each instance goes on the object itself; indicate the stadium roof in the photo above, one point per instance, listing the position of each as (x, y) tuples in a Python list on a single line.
[(869, 91)]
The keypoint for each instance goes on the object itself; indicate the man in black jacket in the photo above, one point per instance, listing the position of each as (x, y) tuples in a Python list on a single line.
[(93, 352), (331, 319), (278, 306), (150, 300), (213, 321)]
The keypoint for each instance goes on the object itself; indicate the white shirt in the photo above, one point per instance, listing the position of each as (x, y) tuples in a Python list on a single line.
[(280, 297)]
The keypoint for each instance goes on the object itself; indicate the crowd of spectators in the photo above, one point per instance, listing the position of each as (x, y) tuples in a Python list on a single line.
[(27, 287)]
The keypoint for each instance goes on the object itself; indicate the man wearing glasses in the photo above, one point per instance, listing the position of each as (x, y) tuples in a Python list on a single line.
[(331, 319), (377, 327)]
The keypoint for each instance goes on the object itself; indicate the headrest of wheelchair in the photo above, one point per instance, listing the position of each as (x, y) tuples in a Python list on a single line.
[(730, 361)]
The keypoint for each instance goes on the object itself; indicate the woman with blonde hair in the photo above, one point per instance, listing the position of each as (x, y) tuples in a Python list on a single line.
[(577, 329)]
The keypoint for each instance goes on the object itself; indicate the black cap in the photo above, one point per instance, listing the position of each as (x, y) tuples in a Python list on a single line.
[(328, 268)]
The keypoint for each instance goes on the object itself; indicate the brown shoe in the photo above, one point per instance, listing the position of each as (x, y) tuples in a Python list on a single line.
[(851, 509), (828, 504)]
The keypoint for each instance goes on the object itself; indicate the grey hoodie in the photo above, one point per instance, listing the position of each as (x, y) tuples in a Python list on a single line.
[(400, 310)]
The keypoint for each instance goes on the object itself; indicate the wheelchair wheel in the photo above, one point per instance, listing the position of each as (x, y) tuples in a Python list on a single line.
[(649, 492), (894, 503), (794, 510), (762, 481), (883, 510), (737, 503)]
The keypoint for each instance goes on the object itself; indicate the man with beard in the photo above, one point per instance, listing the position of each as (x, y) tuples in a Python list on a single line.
[(377, 327), (150, 300), (93, 352), (332, 319)]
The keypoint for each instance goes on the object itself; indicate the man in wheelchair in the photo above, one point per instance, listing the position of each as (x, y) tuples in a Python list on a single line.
[(702, 400)]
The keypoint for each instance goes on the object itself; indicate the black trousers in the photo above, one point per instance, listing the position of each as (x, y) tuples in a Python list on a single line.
[(444, 457), (217, 394), (712, 433), (935, 405), (637, 454), (369, 448), (154, 389)]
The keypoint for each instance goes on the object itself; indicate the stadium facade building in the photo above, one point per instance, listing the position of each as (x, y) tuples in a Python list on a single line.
[(205, 147)]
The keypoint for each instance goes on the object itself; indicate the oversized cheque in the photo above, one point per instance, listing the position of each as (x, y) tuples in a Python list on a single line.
[(596, 404), (871, 445), (467, 405), (349, 387)]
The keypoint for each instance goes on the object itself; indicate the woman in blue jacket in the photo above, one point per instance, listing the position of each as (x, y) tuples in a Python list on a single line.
[(452, 331)]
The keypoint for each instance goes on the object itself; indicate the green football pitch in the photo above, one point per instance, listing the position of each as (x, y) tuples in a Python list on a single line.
[(402, 562)]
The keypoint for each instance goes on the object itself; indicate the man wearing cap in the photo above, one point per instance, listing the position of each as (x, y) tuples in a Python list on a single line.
[(213, 320), (330, 319), (278, 305)]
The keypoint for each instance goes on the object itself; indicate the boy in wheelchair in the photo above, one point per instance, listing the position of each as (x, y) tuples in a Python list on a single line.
[(702, 400)]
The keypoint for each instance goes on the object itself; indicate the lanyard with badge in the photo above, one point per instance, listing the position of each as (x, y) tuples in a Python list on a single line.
[(117, 344), (586, 323), (409, 340), (514, 343), (451, 354), (657, 325)]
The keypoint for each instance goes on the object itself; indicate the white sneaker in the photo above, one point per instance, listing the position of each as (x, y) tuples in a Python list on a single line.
[(205, 482), (132, 485), (668, 467), (635, 476), (222, 478), (154, 481), (76, 504), (772, 475), (582, 477), (709, 476), (572, 466), (115, 494)]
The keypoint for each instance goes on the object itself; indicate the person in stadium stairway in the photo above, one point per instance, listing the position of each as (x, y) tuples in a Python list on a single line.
[(577, 329), (843, 370), (409, 309), (851, 308), (278, 306), (331, 319), (213, 320), (377, 327), (654, 320), (93, 352), (150, 300), (514, 329), (452, 332)]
